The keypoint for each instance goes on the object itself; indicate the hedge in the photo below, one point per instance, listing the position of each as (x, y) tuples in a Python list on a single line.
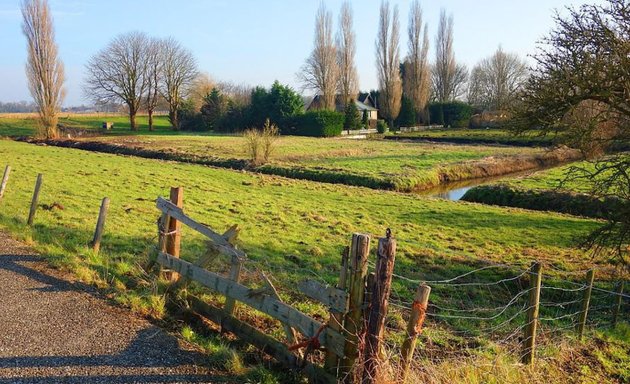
[(314, 123), (453, 114)]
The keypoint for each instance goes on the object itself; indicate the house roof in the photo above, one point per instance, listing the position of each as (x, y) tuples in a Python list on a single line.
[(361, 106)]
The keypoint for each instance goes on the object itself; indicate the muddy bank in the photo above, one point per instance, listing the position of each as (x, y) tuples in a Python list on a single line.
[(476, 169), (577, 204)]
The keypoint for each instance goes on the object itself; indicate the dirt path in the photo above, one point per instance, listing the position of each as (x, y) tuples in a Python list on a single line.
[(54, 330)]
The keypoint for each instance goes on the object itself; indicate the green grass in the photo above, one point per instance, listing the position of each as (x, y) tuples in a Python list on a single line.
[(373, 163), (490, 135), (11, 125), (292, 229), (381, 164), (552, 179), (297, 228)]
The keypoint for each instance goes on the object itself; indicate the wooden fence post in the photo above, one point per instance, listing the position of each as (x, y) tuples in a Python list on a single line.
[(235, 275), (353, 324), (619, 301), (386, 256), (414, 327), (529, 339), (38, 186), (586, 302), (336, 318), (173, 228), (100, 225), (5, 180)]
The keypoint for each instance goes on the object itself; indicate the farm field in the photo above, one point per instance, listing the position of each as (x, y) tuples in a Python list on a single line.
[(499, 136), (12, 124), (292, 229), (381, 164)]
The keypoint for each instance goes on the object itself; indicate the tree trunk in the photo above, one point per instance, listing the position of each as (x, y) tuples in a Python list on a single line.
[(150, 120), (172, 115), (132, 119)]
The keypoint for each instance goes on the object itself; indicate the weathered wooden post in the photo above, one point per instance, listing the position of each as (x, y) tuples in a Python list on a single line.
[(336, 318), (386, 256), (586, 302), (618, 303), (414, 327), (5, 180), (100, 225), (353, 324), (529, 339), (173, 236), (235, 275), (38, 186)]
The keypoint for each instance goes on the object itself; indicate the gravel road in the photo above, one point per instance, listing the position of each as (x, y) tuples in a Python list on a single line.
[(54, 330)]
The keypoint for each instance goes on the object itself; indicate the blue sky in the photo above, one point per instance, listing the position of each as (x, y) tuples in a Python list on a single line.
[(256, 42)]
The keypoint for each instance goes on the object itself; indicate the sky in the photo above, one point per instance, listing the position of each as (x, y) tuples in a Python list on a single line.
[(255, 42)]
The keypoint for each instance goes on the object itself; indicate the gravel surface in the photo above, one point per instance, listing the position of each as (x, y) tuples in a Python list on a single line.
[(54, 330)]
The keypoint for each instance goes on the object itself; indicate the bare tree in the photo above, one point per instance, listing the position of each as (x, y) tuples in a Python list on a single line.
[(449, 77), (200, 87), (417, 74), (118, 73), (346, 49), (153, 77), (179, 70), (321, 70), (388, 63), (44, 69), (496, 80)]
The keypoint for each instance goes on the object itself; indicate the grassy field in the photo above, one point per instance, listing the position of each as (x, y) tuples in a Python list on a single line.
[(291, 229), (482, 136), (381, 164), (25, 125), (552, 179)]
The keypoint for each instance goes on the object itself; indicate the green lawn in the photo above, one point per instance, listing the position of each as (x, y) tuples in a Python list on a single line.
[(552, 179), (10, 125), (291, 229), (487, 136), (279, 217)]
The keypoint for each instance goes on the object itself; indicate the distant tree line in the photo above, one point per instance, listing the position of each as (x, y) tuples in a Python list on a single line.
[(18, 107), (410, 89)]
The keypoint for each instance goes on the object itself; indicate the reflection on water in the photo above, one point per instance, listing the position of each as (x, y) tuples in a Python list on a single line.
[(453, 194), (456, 190)]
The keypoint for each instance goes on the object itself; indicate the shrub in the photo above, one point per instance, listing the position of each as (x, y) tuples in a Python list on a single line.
[(352, 117), (407, 115), (189, 118), (260, 144), (381, 126), (453, 114), (315, 123)]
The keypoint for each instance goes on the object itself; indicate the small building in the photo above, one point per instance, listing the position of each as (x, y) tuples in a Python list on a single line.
[(364, 102)]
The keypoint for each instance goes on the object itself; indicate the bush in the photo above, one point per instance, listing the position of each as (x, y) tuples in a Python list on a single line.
[(315, 123), (260, 144), (407, 115), (453, 114), (381, 126), (189, 118), (352, 117)]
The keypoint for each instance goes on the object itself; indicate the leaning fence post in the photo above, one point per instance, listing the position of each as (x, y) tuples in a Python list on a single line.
[(31, 213), (336, 318), (173, 228), (353, 324), (5, 180), (586, 302), (235, 275), (100, 225), (414, 327), (386, 256), (529, 339), (618, 303)]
